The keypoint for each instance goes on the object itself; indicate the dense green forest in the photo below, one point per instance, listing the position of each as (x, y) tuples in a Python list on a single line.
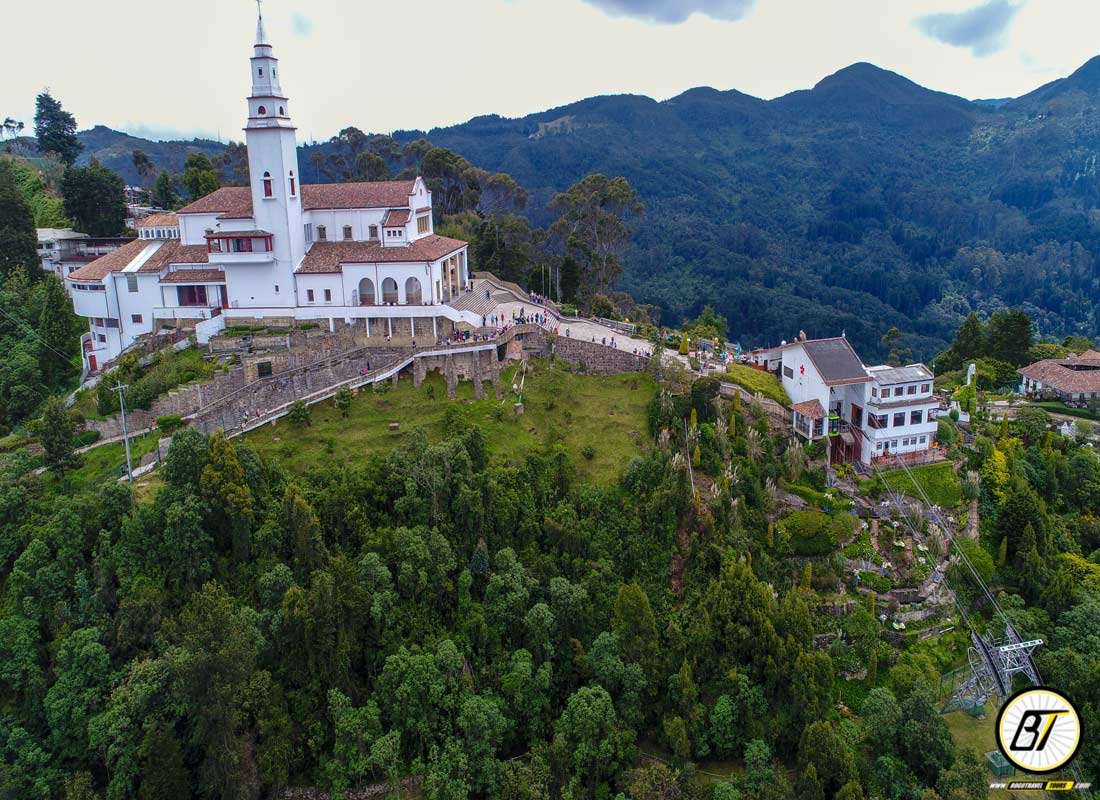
[(865, 203), (498, 626)]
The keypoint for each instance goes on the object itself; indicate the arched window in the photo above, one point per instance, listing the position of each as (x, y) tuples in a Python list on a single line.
[(366, 292), (268, 192), (389, 291), (261, 71), (347, 233), (322, 233), (413, 291), (293, 185), (281, 112), (261, 111)]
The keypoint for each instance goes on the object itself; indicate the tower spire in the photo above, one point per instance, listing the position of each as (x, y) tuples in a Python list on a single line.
[(261, 34)]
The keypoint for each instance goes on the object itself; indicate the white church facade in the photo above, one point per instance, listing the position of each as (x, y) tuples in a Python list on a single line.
[(361, 253)]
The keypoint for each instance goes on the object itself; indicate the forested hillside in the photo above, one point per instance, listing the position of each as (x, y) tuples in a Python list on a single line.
[(864, 203), (489, 621)]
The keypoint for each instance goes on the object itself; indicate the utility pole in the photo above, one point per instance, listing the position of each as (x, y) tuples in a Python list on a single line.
[(120, 388)]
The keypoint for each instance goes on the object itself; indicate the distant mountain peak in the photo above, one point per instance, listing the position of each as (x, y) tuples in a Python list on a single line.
[(1086, 79), (865, 78)]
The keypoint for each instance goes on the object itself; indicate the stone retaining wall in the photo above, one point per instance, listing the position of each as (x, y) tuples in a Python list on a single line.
[(278, 390), (596, 359)]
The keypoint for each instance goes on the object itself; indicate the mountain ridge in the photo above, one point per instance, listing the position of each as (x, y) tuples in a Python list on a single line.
[(858, 204)]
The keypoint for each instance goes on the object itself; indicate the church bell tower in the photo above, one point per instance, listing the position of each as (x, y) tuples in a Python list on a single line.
[(273, 166)]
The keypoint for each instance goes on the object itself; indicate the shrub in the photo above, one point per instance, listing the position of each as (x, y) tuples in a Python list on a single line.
[(85, 438), (300, 414), (818, 499), (875, 582), (589, 452), (808, 533), (169, 423)]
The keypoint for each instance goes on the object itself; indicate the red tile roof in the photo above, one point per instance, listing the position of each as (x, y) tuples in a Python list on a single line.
[(329, 256), (172, 252), (235, 202), (372, 194), (115, 261), (230, 202), (811, 409), (1058, 375), (167, 220), (194, 276), (396, 218)]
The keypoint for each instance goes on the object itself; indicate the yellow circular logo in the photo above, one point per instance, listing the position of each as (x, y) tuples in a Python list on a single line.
[(1038, 730)]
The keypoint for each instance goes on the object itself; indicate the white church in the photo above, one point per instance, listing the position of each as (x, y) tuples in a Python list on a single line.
[(364, 254)]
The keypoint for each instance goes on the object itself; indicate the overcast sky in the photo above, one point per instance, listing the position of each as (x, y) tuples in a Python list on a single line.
[(164, 68)]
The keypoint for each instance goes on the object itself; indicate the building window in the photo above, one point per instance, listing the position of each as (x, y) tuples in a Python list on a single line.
[(328, 295), (899, 419), (131, 283), (931, 415), (911, 389), (276, 288), (788, 372), (915, 417), (308, 228), (281, 112), (240, 245), (894, 444), (373, 231), (347, 233), (423, 224), (293, 183), (322, 233), (261, 71), (924, 387), (885, 391), (263, 369), (309, 295), (924, 440), (874, 391), (101, 337), (262, 111), (267, 185), (135, 318)]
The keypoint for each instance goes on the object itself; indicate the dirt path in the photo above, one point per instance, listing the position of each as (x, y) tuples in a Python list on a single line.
[(972, 524)]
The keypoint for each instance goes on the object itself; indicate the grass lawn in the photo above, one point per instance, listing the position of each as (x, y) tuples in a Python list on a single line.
[(939, 482), (102, 464), (756, 381), (1055, 407), (607, 415)]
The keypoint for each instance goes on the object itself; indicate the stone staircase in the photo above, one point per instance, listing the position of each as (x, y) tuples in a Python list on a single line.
[(477, 302)]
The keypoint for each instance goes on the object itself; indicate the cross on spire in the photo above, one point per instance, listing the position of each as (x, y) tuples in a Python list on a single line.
[(261, 34)]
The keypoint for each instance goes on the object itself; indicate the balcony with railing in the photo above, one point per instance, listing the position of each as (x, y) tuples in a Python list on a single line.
[(240, 247)]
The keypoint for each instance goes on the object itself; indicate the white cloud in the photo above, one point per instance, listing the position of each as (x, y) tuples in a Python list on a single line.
[(676, 11), (980, 29)]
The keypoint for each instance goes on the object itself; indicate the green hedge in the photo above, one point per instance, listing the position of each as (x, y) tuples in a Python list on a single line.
[(169, 422), (818, 499), (812, 533), (757, 381), (875, 582)]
